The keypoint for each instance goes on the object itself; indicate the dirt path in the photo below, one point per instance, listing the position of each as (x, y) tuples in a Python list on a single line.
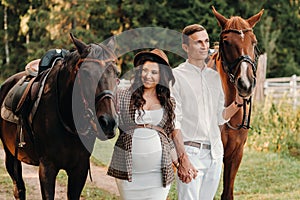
[(30, 175)]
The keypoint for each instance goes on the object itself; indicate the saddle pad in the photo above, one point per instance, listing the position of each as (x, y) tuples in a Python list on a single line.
[(8, 115), (32, 67)]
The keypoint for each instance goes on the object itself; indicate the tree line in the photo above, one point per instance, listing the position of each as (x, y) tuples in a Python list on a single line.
[(31, 27)]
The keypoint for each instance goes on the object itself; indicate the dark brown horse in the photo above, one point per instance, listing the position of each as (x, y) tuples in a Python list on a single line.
[(236, 62), (77, 105)]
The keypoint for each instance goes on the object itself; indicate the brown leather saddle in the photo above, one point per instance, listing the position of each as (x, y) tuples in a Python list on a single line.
[(16, 99), (21, 97), (21, 102), (18, 104)]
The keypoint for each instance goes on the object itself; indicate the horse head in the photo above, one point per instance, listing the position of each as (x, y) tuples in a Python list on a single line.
[(94, 92), (238, 51)]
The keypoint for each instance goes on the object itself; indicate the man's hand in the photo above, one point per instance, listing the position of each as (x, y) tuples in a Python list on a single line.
[(186, 171)]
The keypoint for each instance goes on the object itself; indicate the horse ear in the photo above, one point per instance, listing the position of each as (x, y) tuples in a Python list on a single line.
[(254, 19), (78, 43), (221, 19), (111, 43)]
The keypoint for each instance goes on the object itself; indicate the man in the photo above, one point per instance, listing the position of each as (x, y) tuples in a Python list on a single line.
[(199, 112)]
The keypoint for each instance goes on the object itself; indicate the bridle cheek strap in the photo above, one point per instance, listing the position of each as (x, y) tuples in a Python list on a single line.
[(89, 114)]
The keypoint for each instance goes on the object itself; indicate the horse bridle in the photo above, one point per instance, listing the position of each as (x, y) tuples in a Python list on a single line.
[(89, 114), (228, 69), (105, 93)]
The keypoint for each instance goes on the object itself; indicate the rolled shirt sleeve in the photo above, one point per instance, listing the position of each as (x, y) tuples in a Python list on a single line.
[(221, 108), (175, 93)]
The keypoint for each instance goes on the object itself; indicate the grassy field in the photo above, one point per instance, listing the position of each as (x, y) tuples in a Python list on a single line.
[(267, 176), (262, 176), (270, 169)]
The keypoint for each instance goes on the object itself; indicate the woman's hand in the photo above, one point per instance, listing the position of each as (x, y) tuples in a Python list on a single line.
[(186, 171)]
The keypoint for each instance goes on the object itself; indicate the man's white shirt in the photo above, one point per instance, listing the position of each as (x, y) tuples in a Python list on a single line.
[(199, 105)]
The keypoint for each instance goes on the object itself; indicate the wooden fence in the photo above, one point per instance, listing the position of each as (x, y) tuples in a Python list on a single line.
[(283, 89), (276, 89)]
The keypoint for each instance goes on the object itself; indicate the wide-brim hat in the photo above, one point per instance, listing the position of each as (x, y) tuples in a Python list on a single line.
[(157, 53), (161, 58)]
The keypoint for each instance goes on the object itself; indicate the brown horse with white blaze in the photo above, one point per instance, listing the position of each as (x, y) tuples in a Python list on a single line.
[(236, 62)]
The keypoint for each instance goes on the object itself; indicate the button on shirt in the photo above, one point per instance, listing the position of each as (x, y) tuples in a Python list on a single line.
[(199, 105)]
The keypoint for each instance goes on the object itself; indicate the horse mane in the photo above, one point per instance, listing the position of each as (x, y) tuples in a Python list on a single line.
[(236, 22), (71, 58)]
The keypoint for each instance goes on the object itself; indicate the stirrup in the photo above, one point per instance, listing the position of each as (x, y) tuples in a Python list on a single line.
[(22, 143)]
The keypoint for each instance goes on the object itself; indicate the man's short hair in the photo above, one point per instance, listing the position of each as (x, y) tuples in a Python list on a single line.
[(189, 30)]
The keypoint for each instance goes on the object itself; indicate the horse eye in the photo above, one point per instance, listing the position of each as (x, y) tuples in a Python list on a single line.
[(226, 42)]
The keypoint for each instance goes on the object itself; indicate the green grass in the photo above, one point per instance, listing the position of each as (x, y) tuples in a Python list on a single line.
[(5, 181), (90, 191), (103, 151), (261, 176), (270, 169), (266, 176), (101, 157)]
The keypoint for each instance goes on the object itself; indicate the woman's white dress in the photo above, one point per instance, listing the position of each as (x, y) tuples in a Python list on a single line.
[(146, 162)]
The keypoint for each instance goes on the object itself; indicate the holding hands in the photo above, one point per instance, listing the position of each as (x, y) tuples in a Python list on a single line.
[(186, 171)]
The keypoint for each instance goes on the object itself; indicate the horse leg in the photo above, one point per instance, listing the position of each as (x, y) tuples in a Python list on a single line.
[(14, 169), (231, 166), (76, 180), (47, 175)]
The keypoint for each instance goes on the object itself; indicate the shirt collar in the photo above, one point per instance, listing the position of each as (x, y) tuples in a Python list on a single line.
[(195, 67)]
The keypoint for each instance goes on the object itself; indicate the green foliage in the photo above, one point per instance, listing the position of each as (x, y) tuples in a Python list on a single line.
[(275, 128), (285, 15), (49, 23)]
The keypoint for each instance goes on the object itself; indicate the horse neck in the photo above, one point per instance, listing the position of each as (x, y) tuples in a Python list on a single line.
[(228, 86), (64, 86)]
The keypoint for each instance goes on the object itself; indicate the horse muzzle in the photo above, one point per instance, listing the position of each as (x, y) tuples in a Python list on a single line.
[(108, 125), (245, 88)]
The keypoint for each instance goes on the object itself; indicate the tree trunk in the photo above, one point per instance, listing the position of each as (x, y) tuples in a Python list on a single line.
[(6, 36)]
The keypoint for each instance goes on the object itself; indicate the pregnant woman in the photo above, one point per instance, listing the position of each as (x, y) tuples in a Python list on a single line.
[(143, 153)]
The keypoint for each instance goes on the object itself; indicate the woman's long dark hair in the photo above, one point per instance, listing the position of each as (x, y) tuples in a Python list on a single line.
[(162, 90)]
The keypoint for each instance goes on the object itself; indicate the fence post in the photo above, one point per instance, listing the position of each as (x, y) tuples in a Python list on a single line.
[(260, 77), (293, 90)]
